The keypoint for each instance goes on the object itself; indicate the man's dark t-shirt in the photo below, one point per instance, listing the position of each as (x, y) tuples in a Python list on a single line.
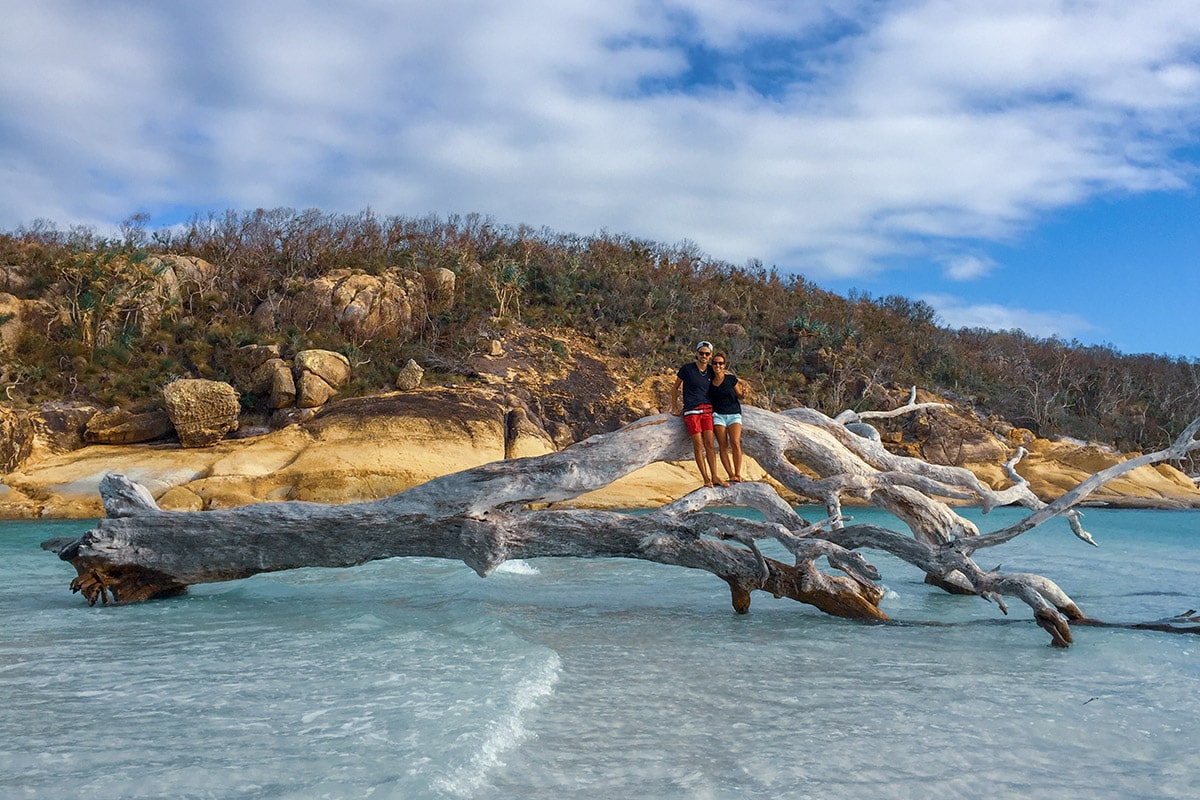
[(695, 385)]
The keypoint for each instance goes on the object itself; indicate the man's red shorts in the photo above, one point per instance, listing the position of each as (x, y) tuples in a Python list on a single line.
[(698, 419)]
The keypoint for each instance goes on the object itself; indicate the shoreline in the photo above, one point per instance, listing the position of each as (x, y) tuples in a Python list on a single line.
[(366, 449)]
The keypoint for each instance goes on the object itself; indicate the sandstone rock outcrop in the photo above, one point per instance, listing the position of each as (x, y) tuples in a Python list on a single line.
[(1055, 466), (177, 282), (16, 439), (58, 426), (357, 449), (543, 391), (202, 411), (180, 277), (956, 436), (11, 322), (116, 426), (362, 306), (47, 431)]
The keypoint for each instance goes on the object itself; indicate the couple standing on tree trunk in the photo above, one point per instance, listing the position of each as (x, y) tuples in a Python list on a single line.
[(712, 410)]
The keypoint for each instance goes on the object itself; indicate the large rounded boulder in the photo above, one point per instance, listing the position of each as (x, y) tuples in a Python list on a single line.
[(319, 375), (202, 411), (362, 306)]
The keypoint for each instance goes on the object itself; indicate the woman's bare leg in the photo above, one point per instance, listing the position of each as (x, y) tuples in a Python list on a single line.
[(722, 437)]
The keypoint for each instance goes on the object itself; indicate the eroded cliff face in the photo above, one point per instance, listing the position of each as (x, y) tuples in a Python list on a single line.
[(532, 391)]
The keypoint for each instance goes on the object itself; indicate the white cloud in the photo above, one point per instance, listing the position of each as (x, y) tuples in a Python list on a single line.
[(966, 267), (910, 123), (954, 312)]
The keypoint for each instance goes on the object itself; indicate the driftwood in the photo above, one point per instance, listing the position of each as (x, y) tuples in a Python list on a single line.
[(506, 510)]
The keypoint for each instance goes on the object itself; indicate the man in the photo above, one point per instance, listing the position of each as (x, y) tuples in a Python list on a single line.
[(694, 380)]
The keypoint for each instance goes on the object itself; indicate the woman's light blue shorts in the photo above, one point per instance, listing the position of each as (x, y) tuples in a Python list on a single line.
[(726, 419)]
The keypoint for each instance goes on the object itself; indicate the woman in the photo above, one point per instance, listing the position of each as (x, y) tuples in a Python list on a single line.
[(695, 380), (725, 393)]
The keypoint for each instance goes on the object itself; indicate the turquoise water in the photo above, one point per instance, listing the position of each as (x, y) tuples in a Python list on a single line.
[(415, 678)]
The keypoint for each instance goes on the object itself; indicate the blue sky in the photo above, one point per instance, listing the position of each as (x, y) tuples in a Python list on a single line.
[(1017, 164)]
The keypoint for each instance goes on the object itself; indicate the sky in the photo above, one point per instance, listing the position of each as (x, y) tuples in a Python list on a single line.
[(1022, 164)]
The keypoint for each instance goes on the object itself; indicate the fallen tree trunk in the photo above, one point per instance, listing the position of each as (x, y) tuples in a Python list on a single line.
[(499, 511)]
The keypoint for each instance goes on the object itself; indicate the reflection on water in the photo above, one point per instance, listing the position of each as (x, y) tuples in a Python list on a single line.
[(570, 678)]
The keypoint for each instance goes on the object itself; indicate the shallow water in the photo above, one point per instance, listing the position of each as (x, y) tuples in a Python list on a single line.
[(415, 678)]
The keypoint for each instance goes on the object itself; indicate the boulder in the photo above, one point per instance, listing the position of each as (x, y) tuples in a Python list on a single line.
[(115, 426), (181, 276), (410, 376), (362, 306), (11, 323), (245, 363), (439, 288), (265, 317), (202, 411), (264, 376), (178, 281), (331, 367), (312, 391), (319, 373), (282, 390)]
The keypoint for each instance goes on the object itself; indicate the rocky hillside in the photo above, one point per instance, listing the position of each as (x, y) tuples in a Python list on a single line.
[(528, 392), (276, 354), (113, 321)]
